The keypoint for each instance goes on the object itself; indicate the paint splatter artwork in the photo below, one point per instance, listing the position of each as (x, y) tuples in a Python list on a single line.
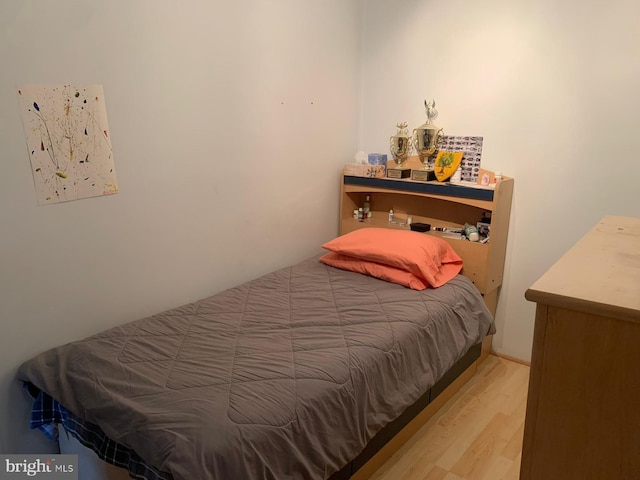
[(69, 142)]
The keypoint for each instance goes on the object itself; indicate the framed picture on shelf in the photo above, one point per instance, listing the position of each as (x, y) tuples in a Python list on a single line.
[(485, 177), (472, 149), (484, 229)]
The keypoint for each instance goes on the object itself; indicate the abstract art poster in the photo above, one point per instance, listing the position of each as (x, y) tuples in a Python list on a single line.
[(68, 140)]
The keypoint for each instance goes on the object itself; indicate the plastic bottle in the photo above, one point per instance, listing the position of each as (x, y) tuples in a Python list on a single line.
[(391, 215), (497, 177), (471, 232), (366, 207), (360, 214)]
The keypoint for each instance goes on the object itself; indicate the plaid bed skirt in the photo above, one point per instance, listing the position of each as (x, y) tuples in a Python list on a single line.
[(47, 414)]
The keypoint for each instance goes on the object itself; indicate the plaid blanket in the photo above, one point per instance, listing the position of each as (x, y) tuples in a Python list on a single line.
[(47, 414)]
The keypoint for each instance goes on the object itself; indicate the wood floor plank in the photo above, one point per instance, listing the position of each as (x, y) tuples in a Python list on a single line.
[(435, 473), (451, 476), (514, 447), (514, 471), (498, 468), (484, 449), (477, 435)]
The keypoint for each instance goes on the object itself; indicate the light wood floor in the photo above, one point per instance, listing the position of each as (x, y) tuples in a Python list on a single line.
[(477, 435)]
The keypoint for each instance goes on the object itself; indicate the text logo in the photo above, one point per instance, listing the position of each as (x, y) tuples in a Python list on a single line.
[(44, 467)]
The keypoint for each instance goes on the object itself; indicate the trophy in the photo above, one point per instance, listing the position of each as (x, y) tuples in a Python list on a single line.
[(400, 146), (426, 138)]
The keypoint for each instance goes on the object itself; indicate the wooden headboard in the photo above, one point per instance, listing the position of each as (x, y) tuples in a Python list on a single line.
[(439, 204)]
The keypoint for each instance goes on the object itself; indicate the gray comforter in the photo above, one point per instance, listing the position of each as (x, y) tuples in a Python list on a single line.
[(287, 376)]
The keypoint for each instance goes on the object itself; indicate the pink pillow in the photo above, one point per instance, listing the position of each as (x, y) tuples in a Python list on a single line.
[(378, 270), (428, 257)]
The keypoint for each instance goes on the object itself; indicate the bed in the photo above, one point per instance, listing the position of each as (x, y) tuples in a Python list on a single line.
[(302, 373)]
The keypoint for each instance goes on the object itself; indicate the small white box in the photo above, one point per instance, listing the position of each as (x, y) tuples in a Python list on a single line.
[(365, 170)]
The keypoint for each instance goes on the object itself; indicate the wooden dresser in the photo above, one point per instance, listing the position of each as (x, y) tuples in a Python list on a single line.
[(583, 409)]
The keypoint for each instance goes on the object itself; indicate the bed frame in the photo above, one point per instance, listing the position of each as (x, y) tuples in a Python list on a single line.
[(381, 447), (438, 204)]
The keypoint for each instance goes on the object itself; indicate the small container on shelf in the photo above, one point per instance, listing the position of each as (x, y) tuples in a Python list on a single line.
[(365, 170), (366, 207), (420, 227), (471, 232)]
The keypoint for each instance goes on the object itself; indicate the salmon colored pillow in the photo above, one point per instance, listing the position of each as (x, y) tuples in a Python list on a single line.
[(428, 257), (378, 270)]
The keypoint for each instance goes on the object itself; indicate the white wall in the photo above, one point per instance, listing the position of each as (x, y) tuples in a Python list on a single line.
[(230, 122), (553, 89)]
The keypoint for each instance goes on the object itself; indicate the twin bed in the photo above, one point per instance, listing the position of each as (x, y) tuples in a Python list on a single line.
[(302, 373)]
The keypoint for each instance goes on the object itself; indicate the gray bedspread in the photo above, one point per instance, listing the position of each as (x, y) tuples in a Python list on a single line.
[(284, 377)]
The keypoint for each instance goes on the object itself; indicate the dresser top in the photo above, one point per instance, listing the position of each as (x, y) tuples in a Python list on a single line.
[(600, 274)]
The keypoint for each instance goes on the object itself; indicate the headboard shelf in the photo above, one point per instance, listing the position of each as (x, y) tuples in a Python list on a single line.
[(436, 188), (398, 188), (438, 205)]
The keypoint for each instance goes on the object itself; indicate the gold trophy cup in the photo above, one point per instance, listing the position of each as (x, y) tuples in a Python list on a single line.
[(400, 146), (426, 138)]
